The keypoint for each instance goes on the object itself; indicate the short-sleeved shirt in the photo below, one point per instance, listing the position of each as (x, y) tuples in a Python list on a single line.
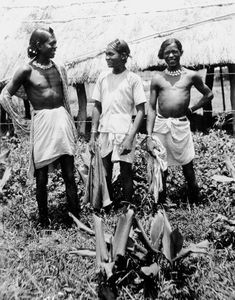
[(119, 94)]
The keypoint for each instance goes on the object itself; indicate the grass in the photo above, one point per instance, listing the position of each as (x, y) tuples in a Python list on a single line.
[(41, 264)]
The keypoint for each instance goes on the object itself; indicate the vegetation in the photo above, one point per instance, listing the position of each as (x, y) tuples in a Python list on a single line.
[(44, 264)]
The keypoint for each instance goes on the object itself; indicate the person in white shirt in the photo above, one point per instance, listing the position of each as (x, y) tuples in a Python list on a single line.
[(116, 94)]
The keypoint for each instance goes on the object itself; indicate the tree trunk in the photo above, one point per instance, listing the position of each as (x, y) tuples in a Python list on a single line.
[(207, 109), (82, 108), (231, 69)]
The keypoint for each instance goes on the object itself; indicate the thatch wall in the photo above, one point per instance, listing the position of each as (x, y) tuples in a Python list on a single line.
[(83, 29)]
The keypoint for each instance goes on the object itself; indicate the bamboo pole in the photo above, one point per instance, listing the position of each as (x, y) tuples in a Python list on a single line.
[(222, 87), (82, 108), (231, 68), (207, 109)]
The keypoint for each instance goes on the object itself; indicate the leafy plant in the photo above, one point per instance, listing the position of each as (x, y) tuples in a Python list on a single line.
[(121, 258)]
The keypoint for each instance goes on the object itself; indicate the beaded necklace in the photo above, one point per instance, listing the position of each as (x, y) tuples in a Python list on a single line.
[(173, 73), (43, 67)]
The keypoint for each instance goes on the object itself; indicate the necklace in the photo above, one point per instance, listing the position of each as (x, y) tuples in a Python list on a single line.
[(43, 67), (173, 73)]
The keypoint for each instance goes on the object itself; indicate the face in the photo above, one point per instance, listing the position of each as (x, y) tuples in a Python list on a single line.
[(48, 48), (113, 58), (172, 55)]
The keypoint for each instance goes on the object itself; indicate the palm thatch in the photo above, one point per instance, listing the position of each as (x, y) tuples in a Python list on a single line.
[(83, 29)]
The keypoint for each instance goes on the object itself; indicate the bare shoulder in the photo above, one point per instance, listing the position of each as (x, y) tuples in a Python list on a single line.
[(24, 71), (191, 73), (157, 78)]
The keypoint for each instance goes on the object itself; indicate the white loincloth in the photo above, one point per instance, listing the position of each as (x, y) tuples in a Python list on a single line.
[(111, 142), (156, 166), (176, 137), (53, 135)]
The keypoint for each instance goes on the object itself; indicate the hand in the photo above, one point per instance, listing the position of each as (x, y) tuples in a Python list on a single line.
[(150, 146), (126, 146), (189, 113), (92, 142)]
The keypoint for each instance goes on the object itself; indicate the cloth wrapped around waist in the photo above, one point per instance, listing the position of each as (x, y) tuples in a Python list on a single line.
[(54, 134), (176, 137), (157, 164)]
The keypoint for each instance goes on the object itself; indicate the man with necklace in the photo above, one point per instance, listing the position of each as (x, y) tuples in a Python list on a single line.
[(168, 111), (53, 133)]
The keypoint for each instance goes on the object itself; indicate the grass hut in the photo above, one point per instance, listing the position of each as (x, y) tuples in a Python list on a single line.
[(83, 29)]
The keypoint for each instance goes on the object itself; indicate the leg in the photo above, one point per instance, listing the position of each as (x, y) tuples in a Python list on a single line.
[(67, 167), (108, 166), (41, 194), (127, 180), (193, 190)]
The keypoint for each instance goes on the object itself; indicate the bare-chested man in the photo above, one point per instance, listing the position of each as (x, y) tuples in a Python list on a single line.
[(53, 135), (168, 120)]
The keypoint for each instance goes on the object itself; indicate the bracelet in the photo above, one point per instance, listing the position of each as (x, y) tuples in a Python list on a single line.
[(94, 131)]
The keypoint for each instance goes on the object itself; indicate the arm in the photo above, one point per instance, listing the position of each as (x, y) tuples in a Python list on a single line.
[(10, 89), (18, 79), (204, 90), (151, 115), (127, 143), (95, 123)]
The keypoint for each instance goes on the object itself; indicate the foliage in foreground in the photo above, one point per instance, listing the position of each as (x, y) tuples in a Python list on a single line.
[(122, 260), (38, 264)]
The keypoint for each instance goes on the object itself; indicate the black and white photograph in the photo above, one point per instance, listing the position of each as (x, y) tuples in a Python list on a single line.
[(117, 150)]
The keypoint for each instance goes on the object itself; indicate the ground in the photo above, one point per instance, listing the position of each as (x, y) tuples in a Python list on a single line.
[(42, 264)]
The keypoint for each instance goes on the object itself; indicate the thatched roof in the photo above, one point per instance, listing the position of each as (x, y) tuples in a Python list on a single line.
[(84, 27)]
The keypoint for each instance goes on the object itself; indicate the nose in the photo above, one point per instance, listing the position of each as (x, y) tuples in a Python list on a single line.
[(171, 54)]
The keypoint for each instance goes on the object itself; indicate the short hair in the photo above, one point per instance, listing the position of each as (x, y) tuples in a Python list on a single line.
[(38, 36), (166, 43)]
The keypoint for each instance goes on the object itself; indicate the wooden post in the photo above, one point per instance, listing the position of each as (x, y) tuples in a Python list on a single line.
[(222, 87), (231, 69), (207, 109), (82, 108)]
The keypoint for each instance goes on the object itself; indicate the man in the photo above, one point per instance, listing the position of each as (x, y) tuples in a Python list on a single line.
[(116, 94), (53, 132), (170, 89)]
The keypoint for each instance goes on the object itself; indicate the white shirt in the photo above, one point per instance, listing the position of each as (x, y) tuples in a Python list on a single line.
[(118, 94)]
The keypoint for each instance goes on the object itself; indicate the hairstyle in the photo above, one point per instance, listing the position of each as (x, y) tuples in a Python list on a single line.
[(121, 47), (167, 43), (38, 37)]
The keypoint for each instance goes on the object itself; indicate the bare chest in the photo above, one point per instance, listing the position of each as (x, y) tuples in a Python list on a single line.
[(43, 79), (175, 84)]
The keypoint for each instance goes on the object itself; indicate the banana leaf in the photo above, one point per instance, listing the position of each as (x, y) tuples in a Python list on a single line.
[(122, 233), (101, 248), (108, 268), (201, 248), (81, 226), (230, 166), (156, 230), (96, 190), (222, 178), (3, 157), (84, 252), (5, 177), (167, 242), (143, 237), (151, 270)]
